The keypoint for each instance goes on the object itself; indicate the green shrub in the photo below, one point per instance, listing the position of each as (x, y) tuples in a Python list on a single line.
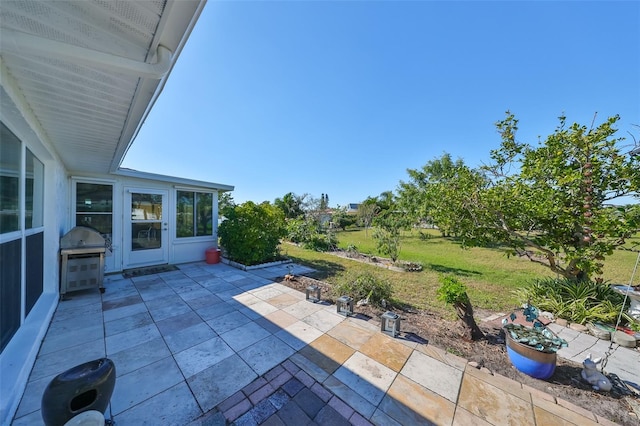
[(308, 233), (364, 285), (387, 242), (342, 219), (251, 233), (424, 236), (452, 291), (298, 229), (320, 242), (576, 301), (387, 233)]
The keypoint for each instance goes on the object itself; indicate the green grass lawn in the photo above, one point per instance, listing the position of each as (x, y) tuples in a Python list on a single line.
[(489, 275)]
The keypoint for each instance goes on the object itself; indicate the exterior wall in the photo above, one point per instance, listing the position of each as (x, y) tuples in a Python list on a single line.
[(19, 354), (18, 357), (180, 250), (29, 254)]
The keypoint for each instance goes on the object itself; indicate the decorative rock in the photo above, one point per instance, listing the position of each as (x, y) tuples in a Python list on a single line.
[(474, 364), (561, 322), (547, 315), (623, 339), (486, 370), (538, 337), (598, 332), (578, 327)]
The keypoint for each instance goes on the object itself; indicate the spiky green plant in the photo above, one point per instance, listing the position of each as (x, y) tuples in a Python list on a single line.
[(576, 301)]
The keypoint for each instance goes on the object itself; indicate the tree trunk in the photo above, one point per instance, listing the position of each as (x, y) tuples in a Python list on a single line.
[(465, 313)]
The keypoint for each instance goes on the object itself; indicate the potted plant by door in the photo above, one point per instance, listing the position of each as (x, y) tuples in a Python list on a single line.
[(532, 350)]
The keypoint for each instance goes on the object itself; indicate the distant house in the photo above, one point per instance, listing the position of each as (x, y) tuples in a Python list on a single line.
[(352, 207), (324, 216), (77, 81)]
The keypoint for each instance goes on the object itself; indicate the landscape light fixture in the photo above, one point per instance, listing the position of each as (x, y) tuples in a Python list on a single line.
[(344, 306), (313, 293), (390, 324)]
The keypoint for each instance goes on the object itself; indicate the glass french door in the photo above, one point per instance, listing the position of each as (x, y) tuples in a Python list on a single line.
[(146, 229)]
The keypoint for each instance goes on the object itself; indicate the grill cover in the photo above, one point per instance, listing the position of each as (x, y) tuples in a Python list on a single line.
[(82, 237)]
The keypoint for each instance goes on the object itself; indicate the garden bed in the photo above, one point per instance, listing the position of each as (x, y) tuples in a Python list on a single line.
[(243, 267), (399, 266), (427, 327)]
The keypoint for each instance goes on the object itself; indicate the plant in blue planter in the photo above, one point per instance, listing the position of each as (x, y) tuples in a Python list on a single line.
[(532, 350)]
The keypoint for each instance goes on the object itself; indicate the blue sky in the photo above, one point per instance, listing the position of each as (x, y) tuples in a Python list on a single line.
[(342, 97)]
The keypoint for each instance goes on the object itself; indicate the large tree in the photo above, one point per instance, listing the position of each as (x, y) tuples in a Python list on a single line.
[(225, 201), (552, 203), (416, 198), (367, 211), (291, 205)]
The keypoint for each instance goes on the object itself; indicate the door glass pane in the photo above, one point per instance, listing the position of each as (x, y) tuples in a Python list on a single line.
[(146, 225), (146, 236), (146, 206), (34, 192), (9, 181)]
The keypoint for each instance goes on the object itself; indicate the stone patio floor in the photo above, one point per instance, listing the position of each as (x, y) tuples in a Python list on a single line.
[(211, 344)]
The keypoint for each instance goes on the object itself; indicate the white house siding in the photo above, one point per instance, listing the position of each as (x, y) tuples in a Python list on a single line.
[(18, 357), (180, 250)]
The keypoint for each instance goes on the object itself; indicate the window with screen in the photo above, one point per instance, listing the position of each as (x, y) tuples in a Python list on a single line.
[(94, 208), (194, 214)]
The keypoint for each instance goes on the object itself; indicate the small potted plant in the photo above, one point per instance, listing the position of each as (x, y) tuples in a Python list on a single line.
[(532, 350)]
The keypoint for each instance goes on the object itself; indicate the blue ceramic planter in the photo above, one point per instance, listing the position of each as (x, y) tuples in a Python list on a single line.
[(540, 365)]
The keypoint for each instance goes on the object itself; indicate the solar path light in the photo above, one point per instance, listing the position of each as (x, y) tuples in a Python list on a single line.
[(312, 293), (390, 324), (344, 306)]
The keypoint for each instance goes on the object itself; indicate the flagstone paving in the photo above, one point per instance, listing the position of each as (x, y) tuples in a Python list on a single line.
[(210, 344)]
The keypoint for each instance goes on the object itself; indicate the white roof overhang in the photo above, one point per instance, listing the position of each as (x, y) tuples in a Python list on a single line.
[(85, 74), (176, 181)]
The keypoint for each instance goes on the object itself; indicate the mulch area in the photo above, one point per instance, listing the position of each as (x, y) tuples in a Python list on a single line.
[(490, 353)]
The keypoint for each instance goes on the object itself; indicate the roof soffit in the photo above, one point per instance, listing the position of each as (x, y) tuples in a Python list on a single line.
[(91, 112)]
